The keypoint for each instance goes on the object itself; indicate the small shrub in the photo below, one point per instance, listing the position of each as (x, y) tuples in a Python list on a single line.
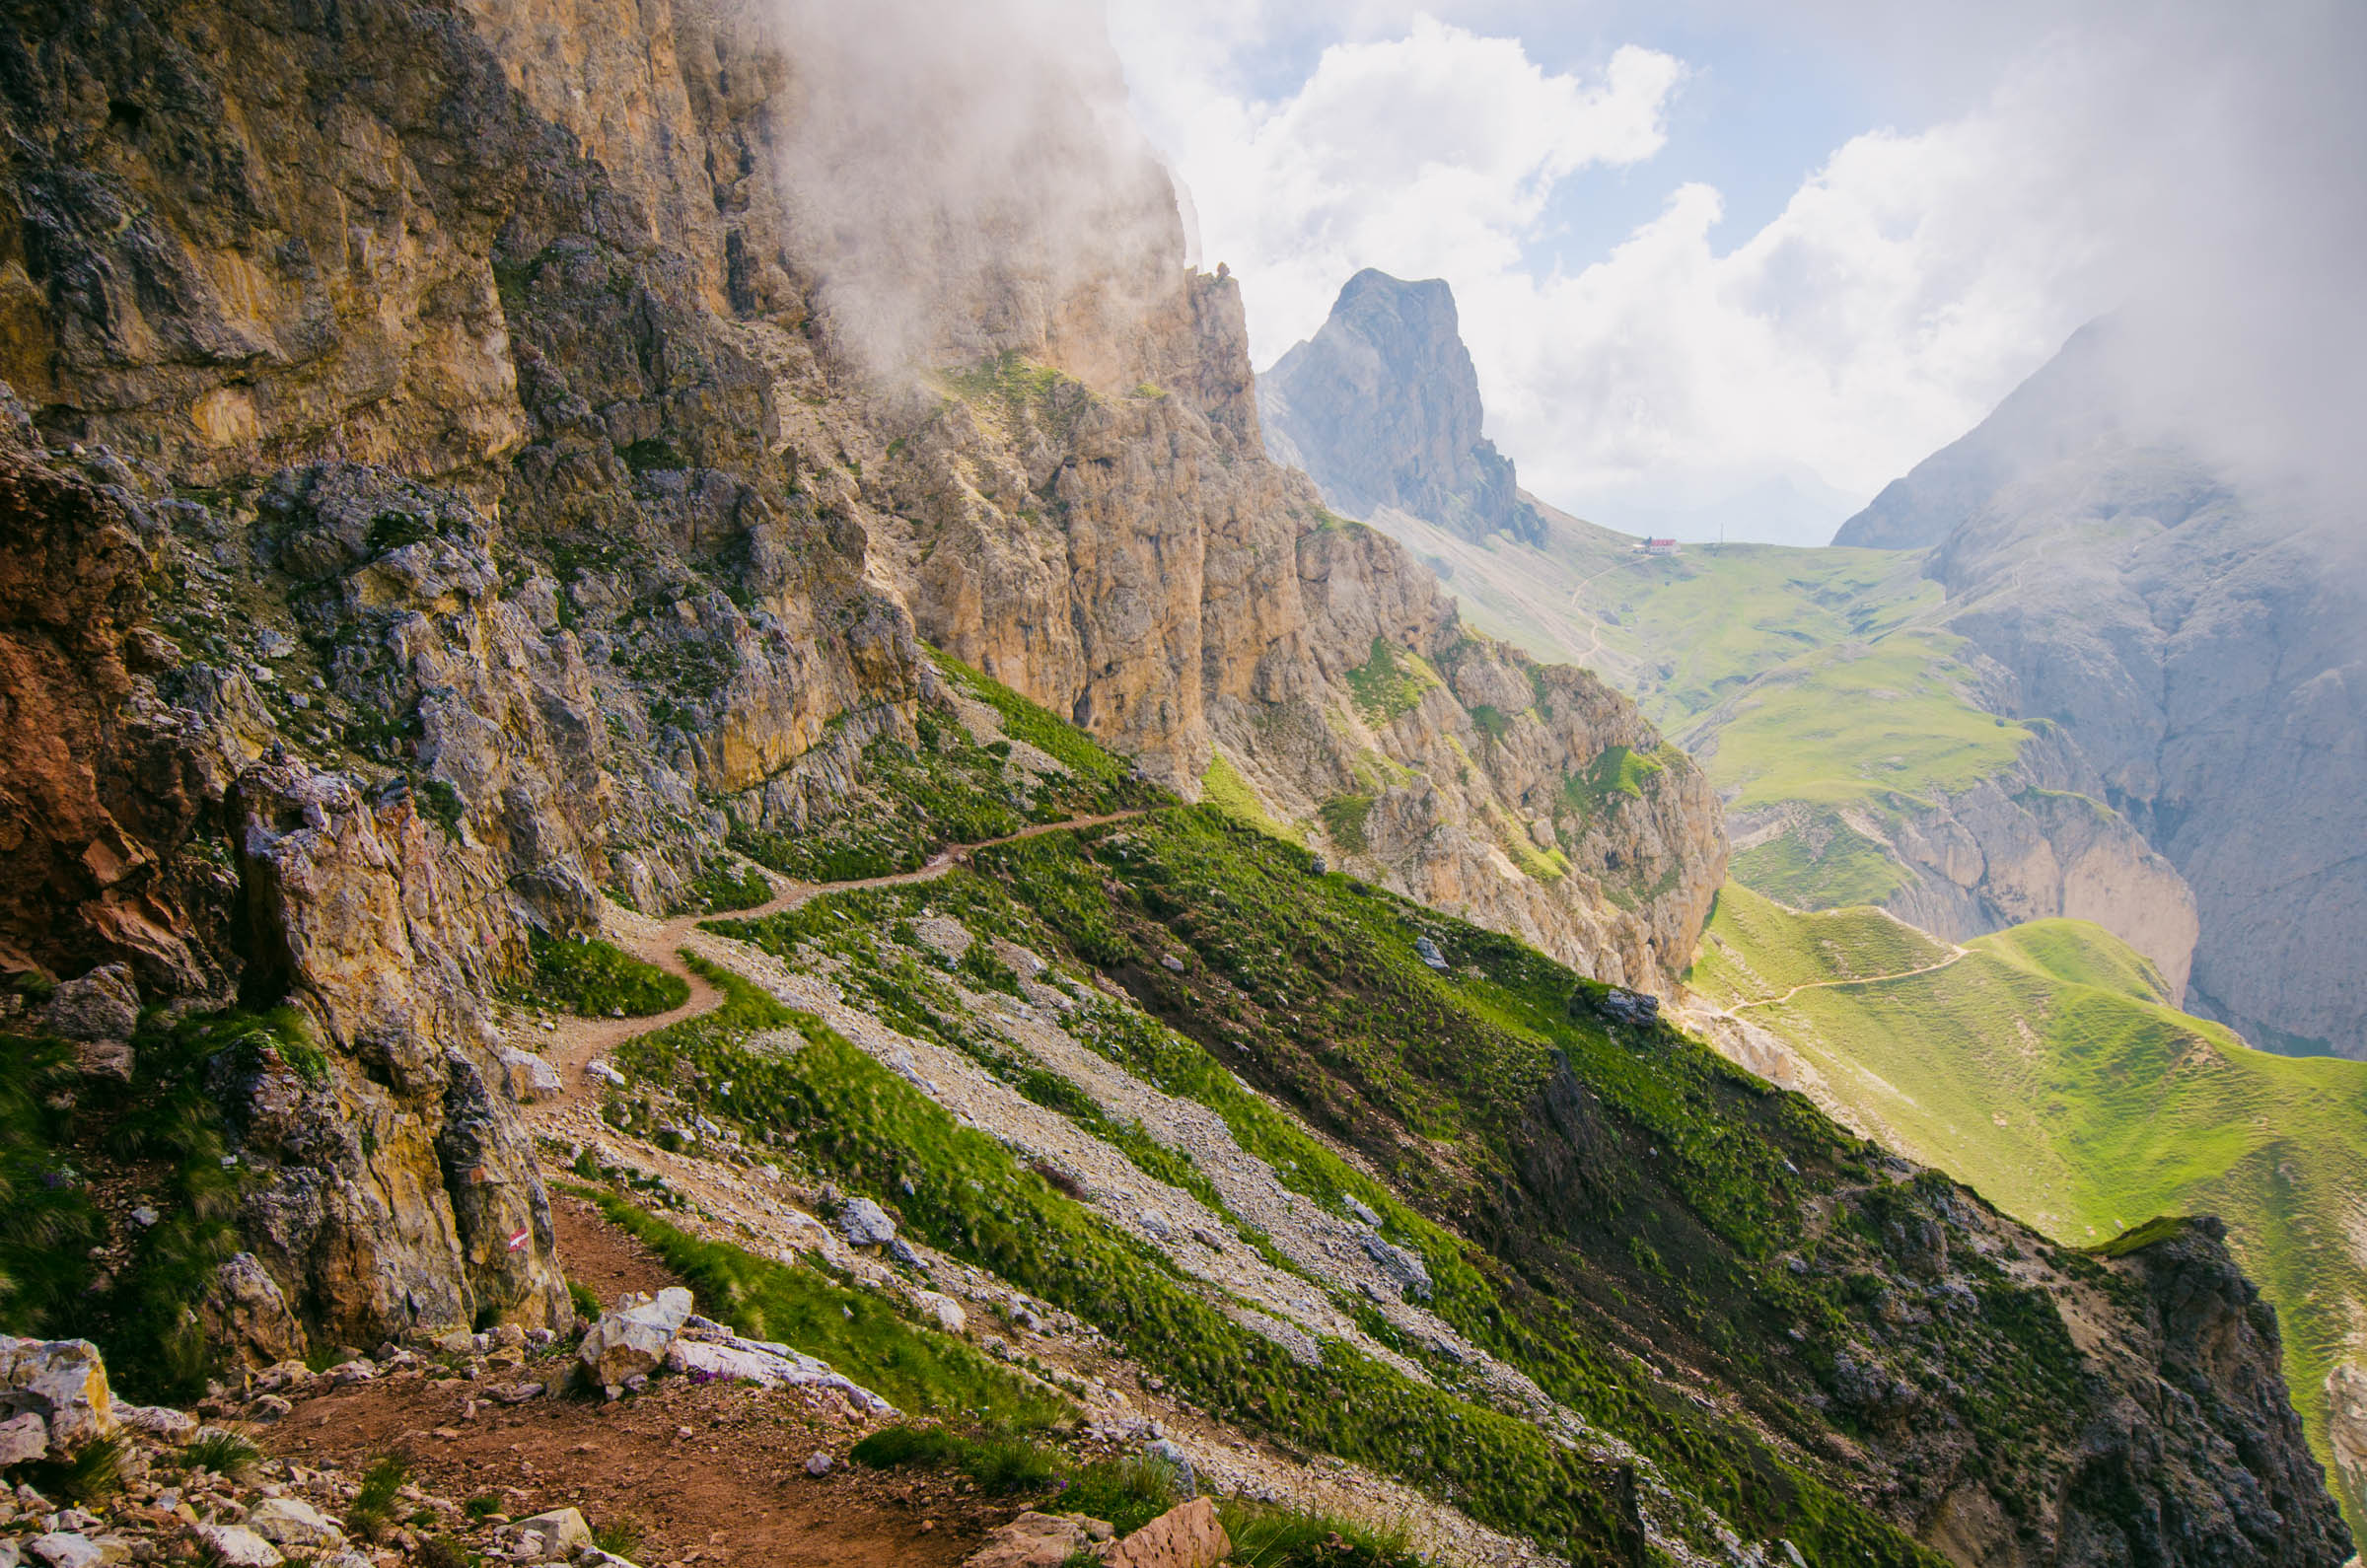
[(1129, 1493), (440, 1551), (225, 1453), (587, 1307), (925, 1448), (1005, 1465), (89, 1473), (1264, 1536), (484, 1505), (621, 1537), (723, 888), (373, 1507)]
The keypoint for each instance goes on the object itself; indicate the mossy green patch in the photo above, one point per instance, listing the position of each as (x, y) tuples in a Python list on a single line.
[(861, 1335), (1223, 788), (1390, 682), (1820, 863), (596, 979), (917, 799)]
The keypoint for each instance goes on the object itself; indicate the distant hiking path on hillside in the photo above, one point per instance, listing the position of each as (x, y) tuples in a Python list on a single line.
[(1861, 980), (577, 1041)]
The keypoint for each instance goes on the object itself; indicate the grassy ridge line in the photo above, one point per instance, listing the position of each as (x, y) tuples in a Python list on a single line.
[(2048, 1070), (963, 1192), (1730, 1470)]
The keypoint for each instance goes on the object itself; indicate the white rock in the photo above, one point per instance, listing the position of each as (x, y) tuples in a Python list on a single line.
[(947, 1310), (1360, 1210), (560, 1532), (597, 1069), (818, 1464), (292, 1521), (23, 1437), (236, 1546), (865, 1224), (64, 1549), (769, 1364), (632, 1339), (347, 1372), (530, 1078), (157, 1420)]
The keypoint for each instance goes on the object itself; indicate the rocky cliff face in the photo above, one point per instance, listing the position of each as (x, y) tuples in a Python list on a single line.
[(2035, 842), (2200, 643), (1382, 406), (474, 464)]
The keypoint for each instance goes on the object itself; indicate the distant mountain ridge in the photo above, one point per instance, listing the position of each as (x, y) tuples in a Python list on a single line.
[(2201, 641), (1382, 408)]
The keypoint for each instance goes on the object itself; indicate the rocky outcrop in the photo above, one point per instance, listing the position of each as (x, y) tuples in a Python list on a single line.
[(2035, 842), (2221, 1444), (2200, 641), (1382, 406), (2346, 1429)]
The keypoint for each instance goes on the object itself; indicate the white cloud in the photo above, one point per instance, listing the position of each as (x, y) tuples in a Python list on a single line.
[(1906, 285), (1430, 154)]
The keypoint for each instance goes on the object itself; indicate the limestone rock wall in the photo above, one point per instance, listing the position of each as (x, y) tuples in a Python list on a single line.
[(471, 459)]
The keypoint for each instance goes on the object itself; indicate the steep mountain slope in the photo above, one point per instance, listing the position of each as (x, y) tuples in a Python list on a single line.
[(459, 474), (479, 475), (1382, 408), (2197, 636), (2045, 1066), (1864, 751)]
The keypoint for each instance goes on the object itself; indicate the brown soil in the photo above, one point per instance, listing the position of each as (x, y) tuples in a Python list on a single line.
[(711, 1474), (597, 1255)]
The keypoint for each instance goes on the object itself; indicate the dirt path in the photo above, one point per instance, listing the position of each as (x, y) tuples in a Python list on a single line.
[(709, 1474), (1826, 985), (578, 1040), (1594, 622)]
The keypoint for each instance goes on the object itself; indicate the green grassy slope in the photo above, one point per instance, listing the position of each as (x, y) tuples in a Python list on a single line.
[(2047, 1069), (1809, 679), (1612, 1210)]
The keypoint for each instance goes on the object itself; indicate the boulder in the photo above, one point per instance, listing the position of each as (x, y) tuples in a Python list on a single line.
[(23, 1437), (710, 1352), (632, 1339), (63, 1548), (63, 1382), (236, 1546), (865, 1224), (558, 1534), (158, 1421), (293, 1522), (102, 1007), (945, 1309), (1032, 1540), (1406, 1269), (1185, 1536), (528, 1077), (246, 1312)]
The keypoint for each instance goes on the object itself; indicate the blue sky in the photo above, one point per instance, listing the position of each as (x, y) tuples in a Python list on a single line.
[(1718, 267)]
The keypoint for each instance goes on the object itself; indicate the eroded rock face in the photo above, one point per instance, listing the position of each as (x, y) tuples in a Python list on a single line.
[(2035, 842), (1382, 406), (2346, 1428), (2198, 639)]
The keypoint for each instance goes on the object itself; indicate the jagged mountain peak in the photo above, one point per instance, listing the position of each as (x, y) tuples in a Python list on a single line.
[(1382, 408)]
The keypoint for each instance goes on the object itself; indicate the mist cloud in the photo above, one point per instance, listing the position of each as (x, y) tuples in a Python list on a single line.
[(2190, 166), (963, 177)]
